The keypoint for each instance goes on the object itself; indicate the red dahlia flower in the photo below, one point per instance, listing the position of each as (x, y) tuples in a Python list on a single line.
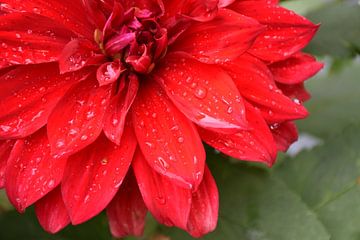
[(105, 103)]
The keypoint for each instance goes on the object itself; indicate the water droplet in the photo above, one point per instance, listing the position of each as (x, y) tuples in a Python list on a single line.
[(104, 161), (163, 163), (161, 200), (200, 92), (51, 183)]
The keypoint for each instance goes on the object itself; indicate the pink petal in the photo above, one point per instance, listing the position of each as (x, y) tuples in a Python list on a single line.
[(168, 203), (287, 32), (119, 106), (204, 208), (256, 144), (205, 94), (295, 69), (77, 54), (127, 211), (28, 95), (5, 149), (51, 212), (68, 13), (94, 175), (167, 138), (32, 171), (77, 120), (256, 83), (284, 134), (226, 37), (225, 3), (26, 39), (109, 72)]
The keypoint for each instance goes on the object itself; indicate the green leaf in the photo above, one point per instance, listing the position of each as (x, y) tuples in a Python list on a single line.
[(315, 195), (334, 103), (256, 205), (339, 33), (25, 227), (304, 6), (327, 180)]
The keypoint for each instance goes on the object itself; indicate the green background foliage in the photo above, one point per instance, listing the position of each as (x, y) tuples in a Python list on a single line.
[(314, 195)]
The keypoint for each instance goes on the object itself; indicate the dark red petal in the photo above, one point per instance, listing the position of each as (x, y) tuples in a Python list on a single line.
[(77, 120), (51, 212), (94, 175), (169, 141), (77, 54), (109, 72), (284, 134), (295, 69), (256, 144), (28, 95), (119, 106), (204, 208), (168, 203), (287, 32), (205, 94), (68, 13), (32, 171), (256, 83), (296, 91), (26, 39), (226, 37), (5, 149), (127, 210)]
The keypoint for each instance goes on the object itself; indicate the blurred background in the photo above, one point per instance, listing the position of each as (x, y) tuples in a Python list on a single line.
[(312, 193)]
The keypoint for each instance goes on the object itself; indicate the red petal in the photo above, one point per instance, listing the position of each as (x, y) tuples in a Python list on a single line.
[(255, 82), (226, 37), (204, 93), (296, 91), (77, 120), (5, 149), (127, 210), (284, 134), (51, 212), (119, 106), (94, 175), (167, 138), (69, 13), (287, 32), (94, 12), (31, 170), (198, 10), (26, 39), (253, 145), (296, 69), (77, 54), (204, 208), (109, 72), (28, 95), (155, 6), (168, 203)]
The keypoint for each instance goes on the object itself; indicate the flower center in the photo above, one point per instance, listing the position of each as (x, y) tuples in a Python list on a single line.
[(134, 37)]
